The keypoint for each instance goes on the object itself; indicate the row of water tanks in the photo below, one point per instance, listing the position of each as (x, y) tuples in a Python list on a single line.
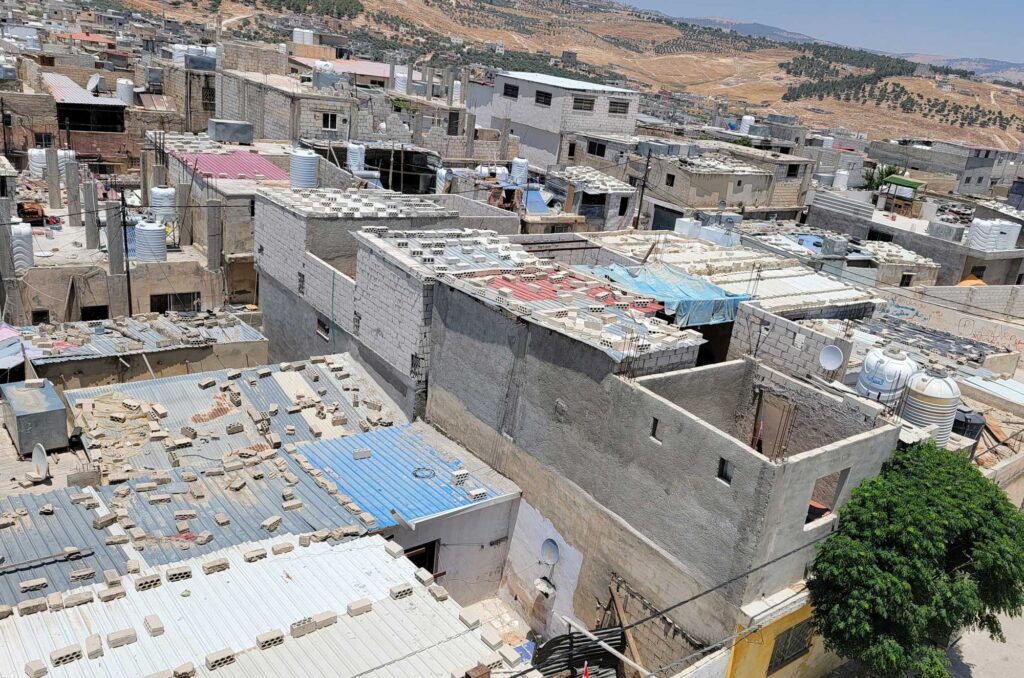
[(37, 161), (887, 375)]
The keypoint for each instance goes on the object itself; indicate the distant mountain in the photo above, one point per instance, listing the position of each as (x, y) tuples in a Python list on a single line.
[(986, 68), (752, 29)]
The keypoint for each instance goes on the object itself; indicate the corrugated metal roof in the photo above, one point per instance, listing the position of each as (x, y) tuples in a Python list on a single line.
[(35, 537), (260, 498), (564, 83), (157, 102), (67, 91), (413, 637), (403, 473), (235, 165), (209, 411), (133, 336)]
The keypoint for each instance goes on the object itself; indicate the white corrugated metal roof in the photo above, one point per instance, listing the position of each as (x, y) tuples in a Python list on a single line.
[(564, 83), (413, 636)]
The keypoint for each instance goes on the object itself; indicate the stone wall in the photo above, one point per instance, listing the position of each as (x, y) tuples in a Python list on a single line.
[(256, 58)]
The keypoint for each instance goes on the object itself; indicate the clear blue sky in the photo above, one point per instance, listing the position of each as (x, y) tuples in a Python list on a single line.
[(966, 28)]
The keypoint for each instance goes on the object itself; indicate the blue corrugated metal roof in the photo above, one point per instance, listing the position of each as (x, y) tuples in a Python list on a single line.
[(246, 508), (403, 473), (36, 536)]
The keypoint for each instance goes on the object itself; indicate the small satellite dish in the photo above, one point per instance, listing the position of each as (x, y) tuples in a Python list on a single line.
[(40, 463), (831, 357), (549, 552)]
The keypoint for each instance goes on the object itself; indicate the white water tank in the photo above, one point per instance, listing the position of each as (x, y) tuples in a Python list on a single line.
[(303, 168), (400, 80), (841, 181), (745, 123), (828, 142), (150, 241), (37, 162), (126, 91), (457, 91), (162, 201), (932, 399), (21, 245), (355, 157), (520, 171), (993, 234), (884, 374)]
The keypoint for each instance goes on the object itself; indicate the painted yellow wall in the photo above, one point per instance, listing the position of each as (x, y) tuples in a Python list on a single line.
[(751, 655)]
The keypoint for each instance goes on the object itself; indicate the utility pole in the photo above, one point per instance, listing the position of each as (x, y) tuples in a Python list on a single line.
[(643, 186), (127, 262)]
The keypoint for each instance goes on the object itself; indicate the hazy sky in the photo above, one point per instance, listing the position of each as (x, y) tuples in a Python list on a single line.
[(968, 28)]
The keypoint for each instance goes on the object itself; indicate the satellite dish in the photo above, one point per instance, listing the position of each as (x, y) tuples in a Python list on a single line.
[(549, 552), (831, 357), (40, 463)]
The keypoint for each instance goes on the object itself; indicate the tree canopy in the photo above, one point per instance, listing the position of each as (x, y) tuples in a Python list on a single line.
[(928, 548)]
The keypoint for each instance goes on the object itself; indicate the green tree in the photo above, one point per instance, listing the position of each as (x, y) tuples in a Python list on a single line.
[(928, 548), (874, 178)]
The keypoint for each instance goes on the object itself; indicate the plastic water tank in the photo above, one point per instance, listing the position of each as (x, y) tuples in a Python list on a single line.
[(993, 234), (932, 399), (842, 180), (162, 204), (828, 142), (457, 91), (520, 171), (37, 161), (21, 245), (303, 168), (150, 241), (126, 91), (355, 157), (745, 123), (400, 80), (884, 374)]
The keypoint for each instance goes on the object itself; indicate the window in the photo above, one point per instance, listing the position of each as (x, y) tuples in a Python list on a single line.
[(44, 140), (978, 271), (633, 181), (623, 205), (792, 171), (967, 180), (542, 98), (252, 208), (511, 91), (654, 429), (596, 148), (618, 107), (95, 313), (725, 470), (906, 280), (739, 183), (323, 327), (302, 283), (790, 645), (670, 180), (879, 236), (572, 149), (582, 104), (40, 316), (182, 301), (208, 96), (330, 121), (1020, 279)]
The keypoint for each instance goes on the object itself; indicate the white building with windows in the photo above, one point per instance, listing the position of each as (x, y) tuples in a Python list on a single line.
[(540, 109)]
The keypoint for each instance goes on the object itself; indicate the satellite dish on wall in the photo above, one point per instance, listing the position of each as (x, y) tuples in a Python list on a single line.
[(831, 357), (549, 552), (40, 463)]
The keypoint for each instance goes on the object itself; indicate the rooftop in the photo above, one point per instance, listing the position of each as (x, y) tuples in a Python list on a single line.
[(178, 143), (329, 398), (353, 203), (716, 163), (592, 180), (421, 632), (696, 257), (67, 91), (789, 289), (503, 274), (564, 83), (233, 164), (286, 84)]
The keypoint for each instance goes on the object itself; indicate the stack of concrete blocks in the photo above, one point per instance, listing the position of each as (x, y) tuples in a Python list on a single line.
[(780, 343)]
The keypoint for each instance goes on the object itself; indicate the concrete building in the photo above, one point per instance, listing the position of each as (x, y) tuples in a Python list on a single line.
[(542, 109), (194, 93), (977, 168), (606, 203)]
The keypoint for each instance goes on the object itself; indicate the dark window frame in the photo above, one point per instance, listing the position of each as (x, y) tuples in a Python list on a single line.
[(510, 91), (541, 94)]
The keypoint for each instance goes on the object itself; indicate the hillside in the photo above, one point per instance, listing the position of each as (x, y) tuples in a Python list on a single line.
[(751, 28), (988, 68)]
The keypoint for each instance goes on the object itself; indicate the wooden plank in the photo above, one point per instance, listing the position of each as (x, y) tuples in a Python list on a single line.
[(630, 642)]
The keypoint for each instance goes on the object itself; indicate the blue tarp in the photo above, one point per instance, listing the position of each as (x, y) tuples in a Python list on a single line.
[(691, 300)]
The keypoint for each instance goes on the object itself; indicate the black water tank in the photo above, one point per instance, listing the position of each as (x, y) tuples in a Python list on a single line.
[(968, 423)]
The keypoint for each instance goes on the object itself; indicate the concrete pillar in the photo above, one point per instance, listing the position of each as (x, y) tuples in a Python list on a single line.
[(53, 178), (449, 85), (185, 213), (159, 175), (470, 133), (11, 284), (71, 182), (503, 141), (146, 173), (417, 128), (115, 239), (214, 234), (428, 83), (91, 216), (465, 84), (392, 66), (408, 77)]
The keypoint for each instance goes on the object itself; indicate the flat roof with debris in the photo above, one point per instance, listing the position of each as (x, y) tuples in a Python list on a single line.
[(489, 267), (354, 203), (791, 289), (226, 415), (272, 607), (592, 180), (696, 257), (145, 333), (716, 163)]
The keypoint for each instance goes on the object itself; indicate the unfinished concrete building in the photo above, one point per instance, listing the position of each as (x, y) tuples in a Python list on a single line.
[(605, 203)]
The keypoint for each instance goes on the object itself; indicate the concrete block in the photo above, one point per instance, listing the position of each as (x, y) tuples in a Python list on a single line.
[(121, 638), (358, 607), (82, 574), (32, 585), (271, 523), (305, 539), (424, 576), (132, 566), (118, 539), (111, 593), (178, 573), (207, 383), (510, 656), (491, 637), (394, 549), (254, 555), (94, 646), (270, 639), (221, 519), (400, 591), (283, 547), (292, 505), (326, 618), (147, 582), (186, 670), (55, 601), (35, 669), (216, 660), (302, 627), (76, 599), (439, 592), (470, 619), (216, 565), (6, 611), (104, 521), (204, 537), (153, 625), (111, 577)]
